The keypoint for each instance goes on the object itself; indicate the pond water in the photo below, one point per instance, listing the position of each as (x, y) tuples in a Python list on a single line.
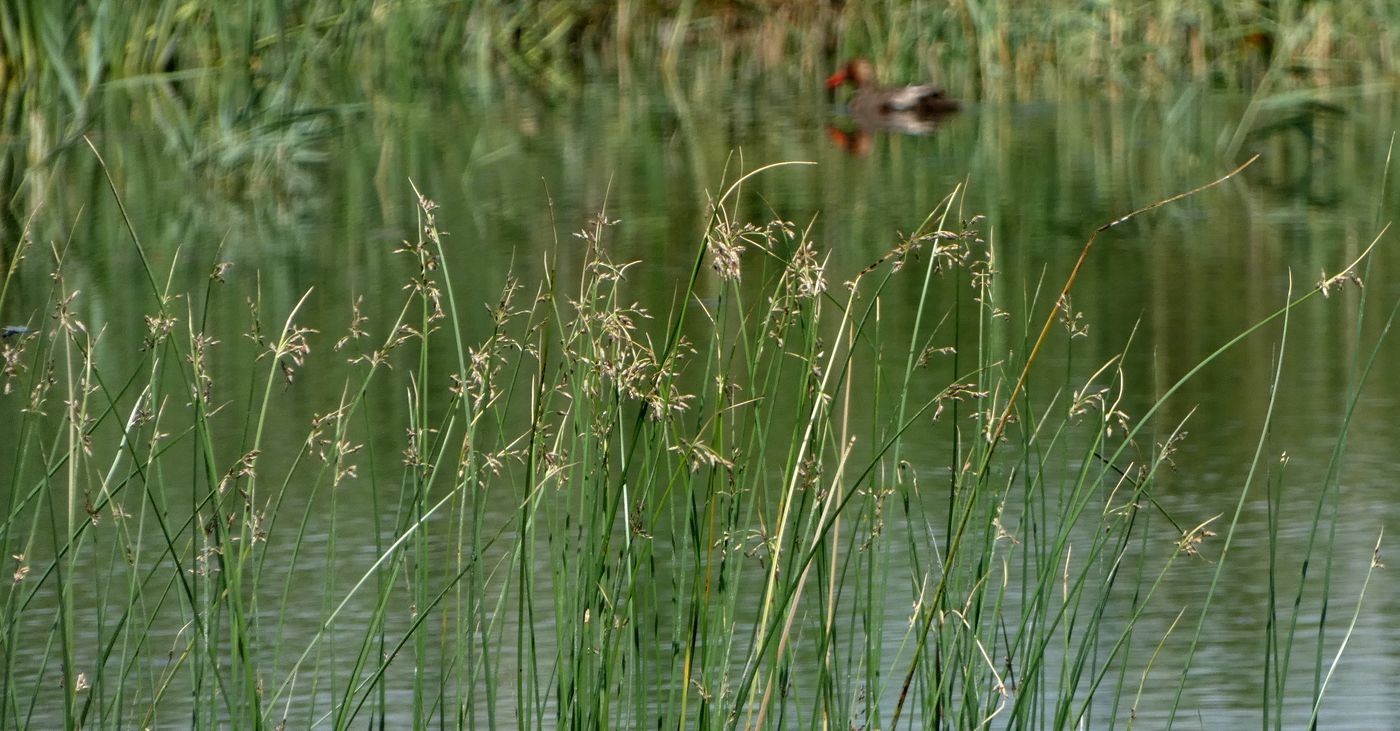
[(320, 202)]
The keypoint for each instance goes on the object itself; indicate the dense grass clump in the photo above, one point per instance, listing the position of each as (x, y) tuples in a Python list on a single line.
[(755, 509)]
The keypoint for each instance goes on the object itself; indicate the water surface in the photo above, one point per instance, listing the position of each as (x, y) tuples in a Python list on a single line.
[(323, 203)]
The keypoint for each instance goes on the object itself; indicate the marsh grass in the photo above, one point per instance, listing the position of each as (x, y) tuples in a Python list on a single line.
[(754, 509), (268, 53)]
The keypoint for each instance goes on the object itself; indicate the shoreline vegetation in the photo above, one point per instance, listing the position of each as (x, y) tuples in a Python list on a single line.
[(603, 516), (978, 48), (253, 92)]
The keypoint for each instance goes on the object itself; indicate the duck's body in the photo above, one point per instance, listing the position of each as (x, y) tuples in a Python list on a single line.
[(903, 108)]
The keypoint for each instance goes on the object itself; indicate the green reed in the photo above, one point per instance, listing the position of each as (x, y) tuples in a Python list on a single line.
[(597, 514)]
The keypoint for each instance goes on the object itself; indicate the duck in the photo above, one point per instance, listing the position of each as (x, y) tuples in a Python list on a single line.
[(909, 109)]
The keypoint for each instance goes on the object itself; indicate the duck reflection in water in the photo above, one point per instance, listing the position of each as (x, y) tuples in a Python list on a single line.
[(912, 110)]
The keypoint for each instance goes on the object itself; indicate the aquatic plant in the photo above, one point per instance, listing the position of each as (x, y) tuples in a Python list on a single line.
[(756, 508)]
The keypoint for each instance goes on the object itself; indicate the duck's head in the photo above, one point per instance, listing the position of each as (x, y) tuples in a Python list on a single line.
[(857, 71)]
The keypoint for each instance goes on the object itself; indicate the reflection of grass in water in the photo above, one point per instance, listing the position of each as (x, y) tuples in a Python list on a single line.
[(717, 517)]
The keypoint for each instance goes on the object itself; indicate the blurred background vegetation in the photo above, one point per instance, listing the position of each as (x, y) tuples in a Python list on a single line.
[(252, 87), (246, 100), (986, 47)]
